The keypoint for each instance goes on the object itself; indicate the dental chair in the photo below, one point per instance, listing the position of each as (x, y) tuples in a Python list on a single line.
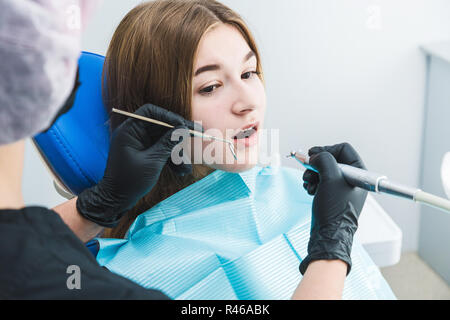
[(75, 148)]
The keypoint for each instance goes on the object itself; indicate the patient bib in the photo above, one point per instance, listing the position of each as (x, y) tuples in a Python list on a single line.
[(231, 236)]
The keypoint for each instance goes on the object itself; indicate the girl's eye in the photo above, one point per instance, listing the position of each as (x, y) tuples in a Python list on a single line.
[(209, 90), (247, 75)]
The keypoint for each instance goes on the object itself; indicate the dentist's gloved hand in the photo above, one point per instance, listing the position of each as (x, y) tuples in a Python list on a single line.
[(139, 151), (336, 205)]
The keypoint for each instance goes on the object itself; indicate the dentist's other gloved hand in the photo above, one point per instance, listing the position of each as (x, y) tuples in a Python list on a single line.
[(139, 151), (336, 205)]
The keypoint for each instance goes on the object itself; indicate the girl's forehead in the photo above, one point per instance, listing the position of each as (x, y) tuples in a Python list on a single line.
[(223, 42)]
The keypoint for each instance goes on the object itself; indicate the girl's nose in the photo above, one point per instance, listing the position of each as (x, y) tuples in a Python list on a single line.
[(245, 100)]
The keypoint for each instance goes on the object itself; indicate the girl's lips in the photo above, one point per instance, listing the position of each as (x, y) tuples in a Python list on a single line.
[(241, 135), (250, 141), (245, 134)]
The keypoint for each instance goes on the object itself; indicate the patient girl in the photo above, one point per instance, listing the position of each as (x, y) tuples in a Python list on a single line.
[(197, 59), (226, 231)]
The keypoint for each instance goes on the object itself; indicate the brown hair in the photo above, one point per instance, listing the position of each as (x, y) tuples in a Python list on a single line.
[(150, 60)]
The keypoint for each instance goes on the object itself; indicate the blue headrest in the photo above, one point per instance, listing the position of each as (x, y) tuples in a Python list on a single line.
[(76, 147)]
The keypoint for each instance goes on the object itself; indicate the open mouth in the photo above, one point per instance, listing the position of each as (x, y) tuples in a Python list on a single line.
[(246, 133)]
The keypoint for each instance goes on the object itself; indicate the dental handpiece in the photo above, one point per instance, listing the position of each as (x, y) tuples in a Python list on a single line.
[(379, 183)]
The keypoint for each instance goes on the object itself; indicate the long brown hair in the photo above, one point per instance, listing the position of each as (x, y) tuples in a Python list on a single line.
[(150, 60)]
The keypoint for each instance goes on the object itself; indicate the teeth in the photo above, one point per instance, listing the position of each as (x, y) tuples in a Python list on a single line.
[(246, 133)]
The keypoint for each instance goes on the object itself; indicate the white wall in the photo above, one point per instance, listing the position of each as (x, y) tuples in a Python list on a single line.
[(351, 70), (37, 183), (347, 70)]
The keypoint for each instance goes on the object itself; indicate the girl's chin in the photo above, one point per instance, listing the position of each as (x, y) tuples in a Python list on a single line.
[(247, 158)]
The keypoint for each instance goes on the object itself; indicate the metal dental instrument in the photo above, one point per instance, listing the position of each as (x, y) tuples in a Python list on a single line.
[(379, 183), (193, 132)]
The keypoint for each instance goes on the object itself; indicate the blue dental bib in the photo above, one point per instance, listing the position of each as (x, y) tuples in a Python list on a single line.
[(230, 236)]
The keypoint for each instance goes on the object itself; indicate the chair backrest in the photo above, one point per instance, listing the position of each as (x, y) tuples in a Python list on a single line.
[(76, 147)]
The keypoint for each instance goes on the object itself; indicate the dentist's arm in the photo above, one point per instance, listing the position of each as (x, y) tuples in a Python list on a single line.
[(139, 151), (83, 228), (335, 212)]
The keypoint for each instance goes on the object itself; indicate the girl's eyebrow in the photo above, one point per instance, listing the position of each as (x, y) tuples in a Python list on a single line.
[(214, 67)]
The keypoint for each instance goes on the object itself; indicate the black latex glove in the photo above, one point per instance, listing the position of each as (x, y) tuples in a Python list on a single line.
[(336, 205), (139, 151)]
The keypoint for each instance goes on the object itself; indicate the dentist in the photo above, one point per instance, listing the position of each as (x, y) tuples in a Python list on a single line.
[(40, 248)]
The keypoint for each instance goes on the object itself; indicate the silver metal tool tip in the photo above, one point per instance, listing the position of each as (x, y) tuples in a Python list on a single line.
[(292, 154), (233, 152)]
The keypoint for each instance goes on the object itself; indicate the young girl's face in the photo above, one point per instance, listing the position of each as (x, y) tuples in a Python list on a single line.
[(228, 98)]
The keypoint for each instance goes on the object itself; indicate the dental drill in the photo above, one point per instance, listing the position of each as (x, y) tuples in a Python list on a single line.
[(379, 183)]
